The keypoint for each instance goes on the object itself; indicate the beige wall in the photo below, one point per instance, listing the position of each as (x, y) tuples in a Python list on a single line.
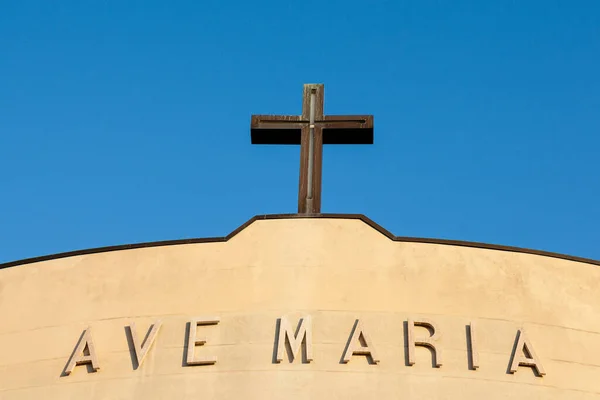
[(331, 269)]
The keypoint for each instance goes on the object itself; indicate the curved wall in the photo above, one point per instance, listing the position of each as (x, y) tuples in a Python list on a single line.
[(334, 271)]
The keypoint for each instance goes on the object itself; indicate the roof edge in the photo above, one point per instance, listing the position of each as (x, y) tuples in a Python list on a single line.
[(361, 217)]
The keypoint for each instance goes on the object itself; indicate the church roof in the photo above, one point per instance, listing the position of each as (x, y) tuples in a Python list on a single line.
[(360, 217)]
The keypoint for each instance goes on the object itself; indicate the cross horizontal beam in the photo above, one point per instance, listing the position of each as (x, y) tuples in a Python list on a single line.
[(287, 129)]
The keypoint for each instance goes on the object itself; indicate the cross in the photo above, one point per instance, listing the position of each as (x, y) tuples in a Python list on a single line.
[(311, 131)]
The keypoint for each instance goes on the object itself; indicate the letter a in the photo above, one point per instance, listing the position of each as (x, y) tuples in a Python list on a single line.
[(524, 355), (141, 350), (79, 357), (358, 347)]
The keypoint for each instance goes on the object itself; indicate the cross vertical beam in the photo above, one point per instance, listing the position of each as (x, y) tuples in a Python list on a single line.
[(311, 205), (311, 132)]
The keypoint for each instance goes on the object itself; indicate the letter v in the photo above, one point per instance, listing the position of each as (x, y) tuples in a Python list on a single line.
[(141, 350)]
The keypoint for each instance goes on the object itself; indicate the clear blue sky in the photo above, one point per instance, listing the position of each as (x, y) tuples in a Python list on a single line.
[(128, 121)]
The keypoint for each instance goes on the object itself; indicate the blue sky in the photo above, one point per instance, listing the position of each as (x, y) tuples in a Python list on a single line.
[(123, 122)]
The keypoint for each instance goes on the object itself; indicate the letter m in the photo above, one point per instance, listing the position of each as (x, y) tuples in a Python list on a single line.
[(286, 335)]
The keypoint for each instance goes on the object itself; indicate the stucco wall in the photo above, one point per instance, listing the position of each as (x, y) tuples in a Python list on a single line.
[(335, 271)]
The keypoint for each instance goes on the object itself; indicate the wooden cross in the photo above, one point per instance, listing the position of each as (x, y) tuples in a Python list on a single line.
[(311, 131)]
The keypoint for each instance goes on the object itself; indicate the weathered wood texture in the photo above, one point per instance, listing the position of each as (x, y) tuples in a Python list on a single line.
[(294, 129)]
